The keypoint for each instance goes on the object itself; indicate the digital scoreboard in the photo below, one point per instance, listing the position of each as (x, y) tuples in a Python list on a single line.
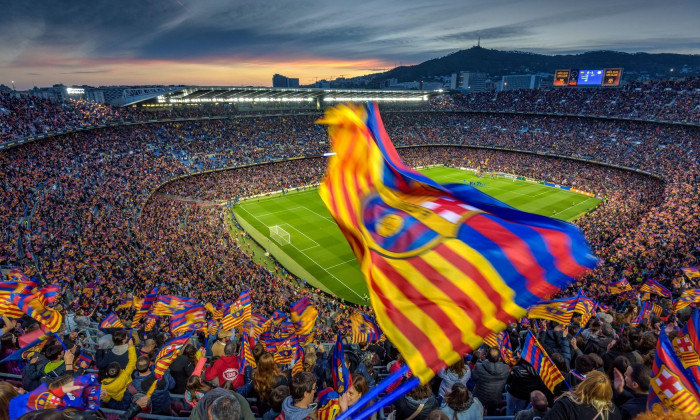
[(596, 77)]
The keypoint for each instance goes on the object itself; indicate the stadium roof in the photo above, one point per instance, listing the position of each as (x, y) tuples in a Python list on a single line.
[(242, 95)]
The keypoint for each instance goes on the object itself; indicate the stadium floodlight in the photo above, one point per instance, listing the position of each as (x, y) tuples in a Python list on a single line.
[(280, 235)]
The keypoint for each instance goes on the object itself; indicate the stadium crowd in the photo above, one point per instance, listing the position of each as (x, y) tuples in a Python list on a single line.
[(78, 210)]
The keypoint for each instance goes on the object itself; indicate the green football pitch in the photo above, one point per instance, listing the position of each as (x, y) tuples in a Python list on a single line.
[(318, 252)]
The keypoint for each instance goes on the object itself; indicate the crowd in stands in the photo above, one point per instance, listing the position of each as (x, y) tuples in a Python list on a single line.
[(661, 100), (78, 210)]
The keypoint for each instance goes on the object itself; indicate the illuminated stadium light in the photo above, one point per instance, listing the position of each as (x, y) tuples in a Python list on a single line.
[(375, 99), (75, 91)]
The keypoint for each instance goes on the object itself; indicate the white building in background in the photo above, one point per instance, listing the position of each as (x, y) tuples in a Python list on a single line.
[(467, 81)]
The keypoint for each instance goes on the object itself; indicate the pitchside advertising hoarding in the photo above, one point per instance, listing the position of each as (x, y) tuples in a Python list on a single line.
[(595, 77)]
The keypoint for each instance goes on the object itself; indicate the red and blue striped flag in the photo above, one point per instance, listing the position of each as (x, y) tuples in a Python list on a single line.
[(146, 305), (237, 312), (245, 357), (278, 316), (272, 343), (673, 386), (652, 286), (342, 381), (167, 305), (111, 321), (445, 265), (260, 324), (328, 405), (84, 361), (620, 286), (534, 354), (506, 348), (298, 360), (303, 316)]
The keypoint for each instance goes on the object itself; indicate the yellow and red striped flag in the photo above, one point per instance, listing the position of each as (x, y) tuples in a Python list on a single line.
[(445, 265)]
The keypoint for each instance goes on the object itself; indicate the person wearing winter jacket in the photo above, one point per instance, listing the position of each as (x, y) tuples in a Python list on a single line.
[(555, 340), (592, 398), (490, 375), (417, 404), (116, 380), (457, 373), (299, 404), (522, 380)]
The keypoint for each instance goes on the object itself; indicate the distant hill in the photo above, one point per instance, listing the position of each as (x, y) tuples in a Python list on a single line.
[(499, 63)]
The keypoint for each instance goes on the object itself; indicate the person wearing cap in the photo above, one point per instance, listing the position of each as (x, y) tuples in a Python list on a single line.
[(217, 350)]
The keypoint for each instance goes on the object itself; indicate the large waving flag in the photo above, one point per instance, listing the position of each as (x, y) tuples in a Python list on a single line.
[(29, 350), (303, 316), (260, 324), (32, 304), (687, 347), (534, 354), (168, 353), (111, 321), (9, 309), (342, 380), (691, 272), (652, 286), (445, 265), (672, 385), (192, 318), (167, 305), (364, 329), (146, 305), (237, 312), (620, 286), (491, 339), (687, 298), (298, 360)]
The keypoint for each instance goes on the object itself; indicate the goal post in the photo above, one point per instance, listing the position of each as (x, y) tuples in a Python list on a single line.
[(280, 235)]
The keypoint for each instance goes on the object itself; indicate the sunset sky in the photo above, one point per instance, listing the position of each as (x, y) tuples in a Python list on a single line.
[(233, 42)]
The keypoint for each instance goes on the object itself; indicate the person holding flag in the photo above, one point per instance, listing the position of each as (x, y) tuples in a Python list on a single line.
[(115, 380)]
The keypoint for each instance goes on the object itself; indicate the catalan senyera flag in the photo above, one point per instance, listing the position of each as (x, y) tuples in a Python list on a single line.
[(534, 354), (111, 321), (670, 386), (215, 313), (237, 312), (146, 305), (364, 329), (687, 298), (10, 310), (506, 349), (652, 286), (445, 265), (691, 272), (168, 353), (329, 407), (584, 306), (186, 319), (620, 286), (303, 316), (491, 339)]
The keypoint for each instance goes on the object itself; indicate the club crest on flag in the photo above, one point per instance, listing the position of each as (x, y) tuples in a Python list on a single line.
[(685, 350), (672, 393)]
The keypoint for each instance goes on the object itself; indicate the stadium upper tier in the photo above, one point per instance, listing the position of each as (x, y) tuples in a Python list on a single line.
[(28, 117), (72, 206)]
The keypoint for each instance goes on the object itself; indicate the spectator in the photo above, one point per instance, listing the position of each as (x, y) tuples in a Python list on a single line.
[(632, 390), (539, 407), (593, 397), (299, 404), (490, 375), (458, 372), (460, 405), (417, 404)]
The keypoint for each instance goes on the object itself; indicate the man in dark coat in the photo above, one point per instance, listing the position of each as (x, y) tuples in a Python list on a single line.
[(490, 376), (633, 399)]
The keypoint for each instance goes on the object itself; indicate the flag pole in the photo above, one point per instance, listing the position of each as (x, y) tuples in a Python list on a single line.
[(385, 400)]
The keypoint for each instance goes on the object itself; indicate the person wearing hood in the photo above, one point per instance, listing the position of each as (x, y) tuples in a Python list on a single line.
[(417, 404), (222, 404), (299, 404), (457, 373), (460, 405), (117, 352), (490, 375), (226, 368)]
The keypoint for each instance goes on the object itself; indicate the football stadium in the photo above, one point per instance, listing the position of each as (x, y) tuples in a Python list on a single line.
[(245, 252)]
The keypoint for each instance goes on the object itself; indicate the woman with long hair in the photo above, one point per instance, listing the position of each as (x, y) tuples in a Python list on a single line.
[(457, 373), (195, 389), (8, 345), (461, 405), (591, 400), (7, 393), (266, 377), (182, 367)]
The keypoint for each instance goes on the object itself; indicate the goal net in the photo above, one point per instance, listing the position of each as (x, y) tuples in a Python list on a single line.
[(280, 235)]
